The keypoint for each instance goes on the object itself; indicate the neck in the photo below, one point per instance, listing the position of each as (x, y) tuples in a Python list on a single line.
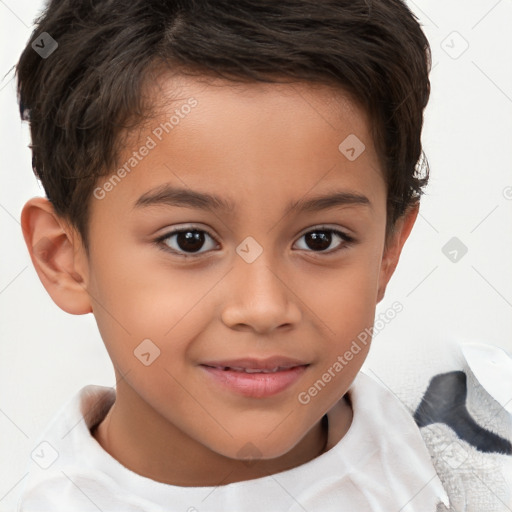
[(147, 444)]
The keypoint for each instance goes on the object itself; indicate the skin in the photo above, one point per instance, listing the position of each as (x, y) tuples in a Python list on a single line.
[(259, 146)]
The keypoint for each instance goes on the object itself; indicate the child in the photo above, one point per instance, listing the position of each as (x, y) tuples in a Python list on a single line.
[(229, 187)]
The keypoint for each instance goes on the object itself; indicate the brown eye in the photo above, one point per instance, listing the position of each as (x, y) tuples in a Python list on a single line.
[(187, 241), (190, 241), (321, 239)]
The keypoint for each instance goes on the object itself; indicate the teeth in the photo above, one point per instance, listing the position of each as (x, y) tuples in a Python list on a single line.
[(252, 370)]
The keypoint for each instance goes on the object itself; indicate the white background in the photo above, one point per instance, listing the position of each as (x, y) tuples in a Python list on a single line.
[(46, 355)]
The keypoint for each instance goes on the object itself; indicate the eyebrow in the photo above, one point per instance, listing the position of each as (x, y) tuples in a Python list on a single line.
[(168, 195)]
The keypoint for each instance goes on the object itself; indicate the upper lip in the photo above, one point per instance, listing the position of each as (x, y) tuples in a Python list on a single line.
[(268, 363)]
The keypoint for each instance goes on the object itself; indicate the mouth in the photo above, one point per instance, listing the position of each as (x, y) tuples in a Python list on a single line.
[(250, 370), (256, 378)]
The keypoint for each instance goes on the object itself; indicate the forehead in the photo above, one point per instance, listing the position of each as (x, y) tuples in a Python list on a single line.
[(247, 141)]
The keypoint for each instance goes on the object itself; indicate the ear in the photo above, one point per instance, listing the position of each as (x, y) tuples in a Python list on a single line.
[(57, 254), (393, 247)]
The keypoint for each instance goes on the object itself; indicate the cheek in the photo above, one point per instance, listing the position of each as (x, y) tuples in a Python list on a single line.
[(344, 305), (134, 300), (343, 298)]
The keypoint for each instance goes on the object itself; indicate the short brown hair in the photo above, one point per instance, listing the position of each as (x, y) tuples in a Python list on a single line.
[(81, 97)]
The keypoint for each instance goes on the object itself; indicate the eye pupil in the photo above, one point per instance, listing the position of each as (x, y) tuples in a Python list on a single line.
[(190, 241), (318, 240)]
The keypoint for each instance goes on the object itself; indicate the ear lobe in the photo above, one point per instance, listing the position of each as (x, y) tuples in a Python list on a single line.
[(56, 253), (394, 246)]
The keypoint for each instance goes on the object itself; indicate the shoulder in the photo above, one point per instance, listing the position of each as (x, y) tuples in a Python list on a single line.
[(65, 452), (466, 430)]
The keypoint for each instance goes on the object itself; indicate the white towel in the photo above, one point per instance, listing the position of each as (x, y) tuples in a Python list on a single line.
[(468, 432)]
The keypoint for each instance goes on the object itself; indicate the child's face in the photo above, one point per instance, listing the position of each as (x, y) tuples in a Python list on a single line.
[(256, 287)]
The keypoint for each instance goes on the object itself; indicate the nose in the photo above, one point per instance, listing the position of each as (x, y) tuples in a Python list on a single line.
[(259, 299)]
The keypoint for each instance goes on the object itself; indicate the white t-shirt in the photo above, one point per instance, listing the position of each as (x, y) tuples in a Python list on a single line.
[(380, 465)]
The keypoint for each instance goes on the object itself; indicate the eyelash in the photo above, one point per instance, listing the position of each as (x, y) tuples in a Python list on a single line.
[(160, 241)]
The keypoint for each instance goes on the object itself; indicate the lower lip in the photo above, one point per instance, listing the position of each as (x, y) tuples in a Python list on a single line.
[(256, 385)]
